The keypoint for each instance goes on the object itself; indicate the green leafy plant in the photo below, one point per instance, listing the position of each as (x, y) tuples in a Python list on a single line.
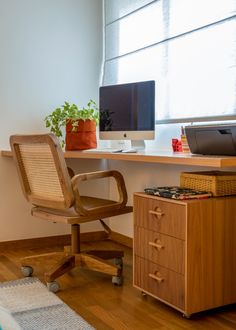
[(58, 118)]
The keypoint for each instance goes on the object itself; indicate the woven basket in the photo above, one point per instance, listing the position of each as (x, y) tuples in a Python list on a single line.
[(219, 183)]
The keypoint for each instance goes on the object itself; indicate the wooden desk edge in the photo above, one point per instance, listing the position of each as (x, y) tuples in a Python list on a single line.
[(153, 157), (6, 153)]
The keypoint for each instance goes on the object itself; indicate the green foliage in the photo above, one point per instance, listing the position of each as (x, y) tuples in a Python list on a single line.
[(57, 119)]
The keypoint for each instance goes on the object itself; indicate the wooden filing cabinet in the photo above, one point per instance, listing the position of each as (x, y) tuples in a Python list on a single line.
[(185, 251)]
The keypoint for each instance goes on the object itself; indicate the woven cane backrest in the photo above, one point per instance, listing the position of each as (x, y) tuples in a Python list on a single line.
[(42, 170)]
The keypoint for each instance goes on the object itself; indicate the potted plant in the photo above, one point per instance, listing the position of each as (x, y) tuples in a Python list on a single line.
[(80, 125)]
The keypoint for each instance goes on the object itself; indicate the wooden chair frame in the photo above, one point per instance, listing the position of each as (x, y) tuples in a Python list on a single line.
[(39, 159)]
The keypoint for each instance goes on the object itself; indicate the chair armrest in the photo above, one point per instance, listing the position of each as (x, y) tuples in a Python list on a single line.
[(99, 175), (70, 172)]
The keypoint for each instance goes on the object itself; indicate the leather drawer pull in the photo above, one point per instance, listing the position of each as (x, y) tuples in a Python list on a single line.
[(157, 277), (156, 245), (157, 213)]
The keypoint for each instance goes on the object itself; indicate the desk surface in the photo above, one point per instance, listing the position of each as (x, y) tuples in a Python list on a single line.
[(161, 157)]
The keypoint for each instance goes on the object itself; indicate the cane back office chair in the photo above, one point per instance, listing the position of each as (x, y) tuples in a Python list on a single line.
[(55, 196)]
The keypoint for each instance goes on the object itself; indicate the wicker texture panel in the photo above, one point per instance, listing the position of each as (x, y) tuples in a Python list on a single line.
[(220, 183), (42, 175)]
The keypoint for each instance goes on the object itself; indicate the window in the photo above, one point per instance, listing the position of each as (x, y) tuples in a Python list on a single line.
[(187, 46)]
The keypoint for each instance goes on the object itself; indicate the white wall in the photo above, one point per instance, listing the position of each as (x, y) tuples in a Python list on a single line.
[(51, 51)]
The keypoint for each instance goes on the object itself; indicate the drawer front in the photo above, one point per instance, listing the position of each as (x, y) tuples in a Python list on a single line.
[(164, 217), (164, 250), (159, 281)]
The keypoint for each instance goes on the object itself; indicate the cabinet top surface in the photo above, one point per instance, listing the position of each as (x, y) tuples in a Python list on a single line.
[(184, 201)]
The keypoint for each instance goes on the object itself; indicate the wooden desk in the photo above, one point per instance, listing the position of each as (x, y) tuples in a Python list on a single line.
[(161, 157)]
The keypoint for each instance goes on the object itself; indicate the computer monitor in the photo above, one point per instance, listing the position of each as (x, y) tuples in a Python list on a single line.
[(127, 112)]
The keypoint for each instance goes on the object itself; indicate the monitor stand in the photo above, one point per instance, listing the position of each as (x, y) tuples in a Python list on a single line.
[(138, 144)]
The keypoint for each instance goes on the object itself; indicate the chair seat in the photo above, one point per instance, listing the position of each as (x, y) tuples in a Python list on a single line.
[(89, 201), (70, 216)]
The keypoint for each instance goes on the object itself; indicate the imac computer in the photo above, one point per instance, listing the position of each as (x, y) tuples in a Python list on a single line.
[(127, 112)]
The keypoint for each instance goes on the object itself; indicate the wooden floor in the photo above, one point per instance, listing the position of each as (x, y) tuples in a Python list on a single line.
[(105, 306)]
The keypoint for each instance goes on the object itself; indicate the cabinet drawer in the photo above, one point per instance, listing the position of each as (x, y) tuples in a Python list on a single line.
[(157, 215), (164, 250), (159, 281)]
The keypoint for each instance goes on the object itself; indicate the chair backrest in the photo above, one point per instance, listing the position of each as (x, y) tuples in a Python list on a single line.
[(42, 170)]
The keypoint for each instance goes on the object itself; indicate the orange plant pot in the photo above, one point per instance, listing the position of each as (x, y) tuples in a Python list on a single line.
[(84, 137)]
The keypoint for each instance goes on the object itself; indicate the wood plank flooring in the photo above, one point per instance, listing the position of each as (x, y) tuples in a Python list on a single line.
[(108, 307)]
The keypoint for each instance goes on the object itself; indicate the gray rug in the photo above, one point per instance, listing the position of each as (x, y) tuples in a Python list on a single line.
[(34, 307)]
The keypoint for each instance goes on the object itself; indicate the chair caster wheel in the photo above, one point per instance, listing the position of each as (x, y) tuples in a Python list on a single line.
[(117, 280), (27, 271), (118, 262), (53, 286)]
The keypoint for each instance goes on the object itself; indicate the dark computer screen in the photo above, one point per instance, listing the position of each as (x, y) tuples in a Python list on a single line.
[(127, 107)]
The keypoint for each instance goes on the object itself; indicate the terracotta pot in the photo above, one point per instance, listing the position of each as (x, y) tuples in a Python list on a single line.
[(84, 137)]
